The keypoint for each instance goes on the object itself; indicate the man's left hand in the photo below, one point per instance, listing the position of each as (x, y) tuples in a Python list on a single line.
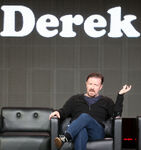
[(125, 89)]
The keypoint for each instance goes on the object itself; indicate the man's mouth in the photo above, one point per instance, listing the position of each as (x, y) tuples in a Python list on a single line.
[(92, 91)]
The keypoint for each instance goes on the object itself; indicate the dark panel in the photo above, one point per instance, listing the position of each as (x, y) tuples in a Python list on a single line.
[(40, 71)]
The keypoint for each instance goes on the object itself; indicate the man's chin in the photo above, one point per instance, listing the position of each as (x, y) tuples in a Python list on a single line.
[(91, 94)]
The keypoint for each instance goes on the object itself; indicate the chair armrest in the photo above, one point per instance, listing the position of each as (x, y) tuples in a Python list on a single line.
[(1, 123), (54, 132), (118, 134), (138, 132)]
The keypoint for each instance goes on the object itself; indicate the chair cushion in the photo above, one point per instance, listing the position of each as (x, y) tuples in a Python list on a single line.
[(106, 144), (64, 125), (46, 134), (108, 124)]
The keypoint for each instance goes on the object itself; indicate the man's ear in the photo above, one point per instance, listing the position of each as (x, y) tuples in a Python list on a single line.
[(101, 87)]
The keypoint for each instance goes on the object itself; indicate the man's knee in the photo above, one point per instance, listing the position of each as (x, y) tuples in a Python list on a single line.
[(84, 115)]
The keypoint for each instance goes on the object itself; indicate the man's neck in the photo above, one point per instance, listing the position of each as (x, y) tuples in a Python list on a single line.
[(91, 96)]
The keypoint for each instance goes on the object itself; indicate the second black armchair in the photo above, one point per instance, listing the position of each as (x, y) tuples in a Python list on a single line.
[(112, 140)]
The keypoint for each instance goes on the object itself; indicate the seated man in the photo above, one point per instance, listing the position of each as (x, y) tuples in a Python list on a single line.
[(88, 111)]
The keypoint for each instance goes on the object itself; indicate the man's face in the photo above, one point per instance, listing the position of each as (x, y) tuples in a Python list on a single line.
[(93, 86)]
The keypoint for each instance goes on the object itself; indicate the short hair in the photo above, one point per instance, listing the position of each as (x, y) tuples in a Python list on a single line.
[(97, 75)]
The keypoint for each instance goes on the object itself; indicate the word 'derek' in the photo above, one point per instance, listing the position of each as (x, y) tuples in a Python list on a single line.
[(47, 25)]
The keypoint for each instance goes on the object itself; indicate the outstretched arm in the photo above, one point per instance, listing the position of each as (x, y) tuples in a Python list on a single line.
[(119, 102), (125, 89)]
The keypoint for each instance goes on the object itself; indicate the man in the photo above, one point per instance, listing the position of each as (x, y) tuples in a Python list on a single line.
[(88, 111)]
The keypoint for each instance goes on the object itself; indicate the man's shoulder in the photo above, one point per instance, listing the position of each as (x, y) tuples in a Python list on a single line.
[(106, 98), (76, 96)]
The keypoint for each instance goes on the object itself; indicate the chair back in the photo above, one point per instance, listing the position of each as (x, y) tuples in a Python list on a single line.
[(25, 119)]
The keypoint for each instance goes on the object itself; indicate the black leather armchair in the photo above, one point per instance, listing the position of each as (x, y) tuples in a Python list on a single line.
[(112, 140), (27, 129)]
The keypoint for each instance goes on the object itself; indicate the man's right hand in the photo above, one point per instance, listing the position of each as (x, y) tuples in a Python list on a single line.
[(54, 114)]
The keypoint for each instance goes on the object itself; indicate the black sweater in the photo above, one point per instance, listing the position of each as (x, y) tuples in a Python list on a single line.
[(103, 109)]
